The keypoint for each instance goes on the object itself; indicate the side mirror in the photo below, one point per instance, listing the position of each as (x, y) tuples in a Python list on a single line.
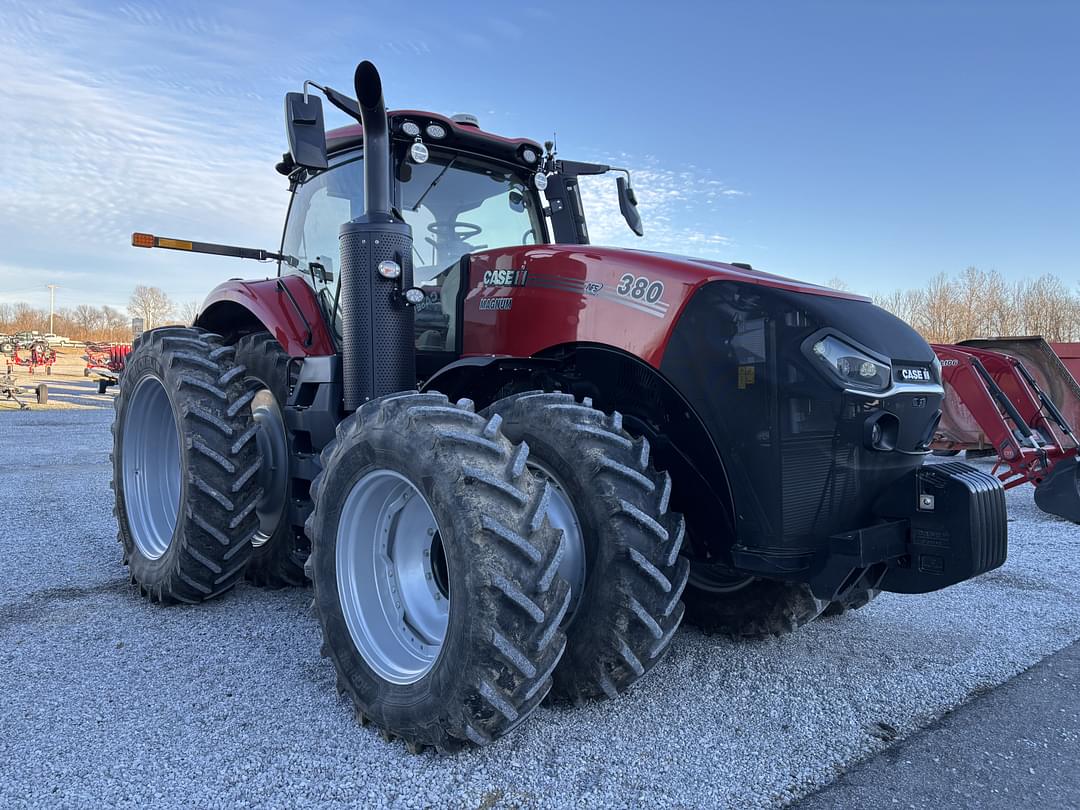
[(306, 131), (628, 206)]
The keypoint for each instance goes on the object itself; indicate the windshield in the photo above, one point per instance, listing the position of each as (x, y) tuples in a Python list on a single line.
[(454, 203), (458, 205)]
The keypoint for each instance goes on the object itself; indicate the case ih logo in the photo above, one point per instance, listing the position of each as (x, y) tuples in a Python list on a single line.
[(914, 374), (505, 278)]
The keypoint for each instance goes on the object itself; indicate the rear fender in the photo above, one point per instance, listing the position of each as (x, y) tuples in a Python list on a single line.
[(285, 307)]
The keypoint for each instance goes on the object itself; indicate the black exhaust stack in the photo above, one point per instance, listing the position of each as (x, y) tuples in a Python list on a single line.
[(378, 355)]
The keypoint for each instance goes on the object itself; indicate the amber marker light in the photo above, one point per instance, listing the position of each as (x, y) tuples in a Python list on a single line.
[(144, 240)]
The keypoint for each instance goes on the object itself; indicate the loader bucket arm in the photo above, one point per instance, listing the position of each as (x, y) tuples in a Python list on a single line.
[(974, 405), (1027, 399), (1045, 366), (992, 397)]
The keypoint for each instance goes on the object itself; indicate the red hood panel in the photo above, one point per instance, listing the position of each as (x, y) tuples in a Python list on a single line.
[(689, 269), (524, 300)]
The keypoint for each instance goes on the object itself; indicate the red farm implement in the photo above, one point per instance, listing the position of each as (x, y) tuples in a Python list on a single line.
[(40, 356), (1016, 397), (106, 361)]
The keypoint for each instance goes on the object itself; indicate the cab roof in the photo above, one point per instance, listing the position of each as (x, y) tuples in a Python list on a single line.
[(459, 136)]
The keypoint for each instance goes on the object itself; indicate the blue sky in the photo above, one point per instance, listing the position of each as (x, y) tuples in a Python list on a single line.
[(880, 143)]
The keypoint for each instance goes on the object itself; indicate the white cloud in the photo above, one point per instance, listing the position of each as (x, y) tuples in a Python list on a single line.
[(677, 208), (91, 155)]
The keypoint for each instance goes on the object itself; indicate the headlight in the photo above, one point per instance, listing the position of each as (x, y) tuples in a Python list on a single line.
[(853, 367)]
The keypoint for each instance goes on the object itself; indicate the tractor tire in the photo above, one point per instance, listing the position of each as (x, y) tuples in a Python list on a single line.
[(280, 549), (7, 347), (750, 608), (842, 606), (622, 545), (185, 464), (458, 647)]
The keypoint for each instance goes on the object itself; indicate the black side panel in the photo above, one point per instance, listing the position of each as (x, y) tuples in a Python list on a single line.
[(792, 442)]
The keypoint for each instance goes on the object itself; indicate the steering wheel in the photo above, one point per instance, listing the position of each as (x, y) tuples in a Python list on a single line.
[(455, 230)]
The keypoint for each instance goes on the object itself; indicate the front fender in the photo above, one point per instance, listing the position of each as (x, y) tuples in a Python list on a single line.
[(286, 307)]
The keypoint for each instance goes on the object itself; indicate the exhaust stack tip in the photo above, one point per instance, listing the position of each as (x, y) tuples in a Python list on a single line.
[(368, 85)]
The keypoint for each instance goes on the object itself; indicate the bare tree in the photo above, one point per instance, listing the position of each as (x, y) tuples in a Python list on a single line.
[(189, 311), (151, 304), (981, 303), (907, 305), (88, 320), (28, 319)]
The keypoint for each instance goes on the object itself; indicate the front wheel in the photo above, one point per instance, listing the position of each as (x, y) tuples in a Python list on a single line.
[(435, 572), (743, 607)]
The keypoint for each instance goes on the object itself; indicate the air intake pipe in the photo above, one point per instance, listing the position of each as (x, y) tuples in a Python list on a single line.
[(377, 352)]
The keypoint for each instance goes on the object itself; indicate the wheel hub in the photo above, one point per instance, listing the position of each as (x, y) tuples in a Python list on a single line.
[(562, 515), (392, 576), (151, 467), (274, 471)]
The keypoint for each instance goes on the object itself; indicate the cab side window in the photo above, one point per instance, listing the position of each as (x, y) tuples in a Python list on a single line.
[(319, 207)]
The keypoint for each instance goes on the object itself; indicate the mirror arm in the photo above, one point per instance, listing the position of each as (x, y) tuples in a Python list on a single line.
[(347, 105)]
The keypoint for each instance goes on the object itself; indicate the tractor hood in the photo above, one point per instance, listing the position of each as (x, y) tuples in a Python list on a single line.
[(629, 299), (690, 270)]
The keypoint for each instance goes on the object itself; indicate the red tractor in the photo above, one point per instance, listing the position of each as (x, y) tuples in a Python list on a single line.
[(522, 532)]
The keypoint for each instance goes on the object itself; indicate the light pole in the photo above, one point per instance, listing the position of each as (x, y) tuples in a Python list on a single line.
[(52, 306)]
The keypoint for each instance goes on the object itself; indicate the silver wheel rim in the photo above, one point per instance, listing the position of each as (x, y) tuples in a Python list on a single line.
[(391, 576), (273, 474), (562, 515), (151, 467)]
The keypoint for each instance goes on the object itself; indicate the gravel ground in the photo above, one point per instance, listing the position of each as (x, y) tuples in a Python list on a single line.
[(111, 701)]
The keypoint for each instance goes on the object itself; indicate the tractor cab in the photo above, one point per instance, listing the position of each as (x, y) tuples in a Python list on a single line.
[(463, 193), (460, 189)]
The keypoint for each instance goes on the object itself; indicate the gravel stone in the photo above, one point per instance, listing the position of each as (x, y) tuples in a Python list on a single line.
[(111, 701)]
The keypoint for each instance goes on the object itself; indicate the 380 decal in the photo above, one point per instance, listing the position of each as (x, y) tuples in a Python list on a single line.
[(640, 288)]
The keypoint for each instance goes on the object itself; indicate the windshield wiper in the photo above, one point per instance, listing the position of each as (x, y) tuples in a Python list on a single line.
[(434, 183)]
